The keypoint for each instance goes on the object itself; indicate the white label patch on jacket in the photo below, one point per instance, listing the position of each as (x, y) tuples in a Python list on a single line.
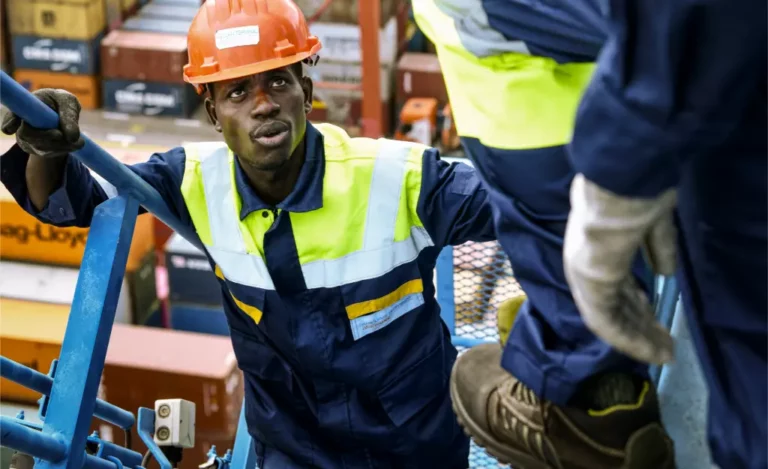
[(370, 323), (236, 37)]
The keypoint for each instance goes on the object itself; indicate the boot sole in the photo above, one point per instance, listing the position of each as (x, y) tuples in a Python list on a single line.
[(492, 446)]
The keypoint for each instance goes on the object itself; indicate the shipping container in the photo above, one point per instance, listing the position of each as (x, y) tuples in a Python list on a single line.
[(35, 301), (169, 11), (341, 42), (61, 19), (199, 318), (345, 11), (196, 3), (85, 87), (420, 76), (3, 39), (150, 98), (156, 25), (190, 277), (144, 364), (57, 55), (117, 11), (143, 56)]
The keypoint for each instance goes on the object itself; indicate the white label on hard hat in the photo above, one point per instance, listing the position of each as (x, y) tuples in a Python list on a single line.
[(236, 37)]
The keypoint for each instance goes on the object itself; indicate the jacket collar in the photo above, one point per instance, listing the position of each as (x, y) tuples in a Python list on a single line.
[(306, 196)]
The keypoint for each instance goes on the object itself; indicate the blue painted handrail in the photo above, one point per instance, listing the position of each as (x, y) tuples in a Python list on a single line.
[(38, 382), (30, 109)]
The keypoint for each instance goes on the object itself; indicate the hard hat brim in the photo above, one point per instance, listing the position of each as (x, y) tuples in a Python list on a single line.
[(247, 70)]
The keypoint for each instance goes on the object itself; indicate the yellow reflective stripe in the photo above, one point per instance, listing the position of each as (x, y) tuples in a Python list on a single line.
[(510, 101), (194, 194), (371, 306), (618, 407), (407, 215), (252, 311)]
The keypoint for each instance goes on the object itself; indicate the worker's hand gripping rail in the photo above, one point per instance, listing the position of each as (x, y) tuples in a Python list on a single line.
[(69, 400), (25, 105)]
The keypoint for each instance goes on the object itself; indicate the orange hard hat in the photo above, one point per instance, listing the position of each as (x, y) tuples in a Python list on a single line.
[(236, 38)]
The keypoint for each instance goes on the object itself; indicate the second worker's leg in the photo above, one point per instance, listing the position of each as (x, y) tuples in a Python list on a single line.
[(556, 396)]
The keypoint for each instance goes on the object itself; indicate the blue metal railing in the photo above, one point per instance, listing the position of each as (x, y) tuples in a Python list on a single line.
[(69, 395)]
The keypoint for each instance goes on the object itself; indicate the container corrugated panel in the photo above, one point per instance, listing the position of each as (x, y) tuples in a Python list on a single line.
[(156, 25), (169, 11), (150, 98), (57, 55), (62, 19), (144, 56), (85, 87)]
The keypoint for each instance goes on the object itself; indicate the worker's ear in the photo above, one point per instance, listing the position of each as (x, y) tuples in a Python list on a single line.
[(210, 109), (308, 87)]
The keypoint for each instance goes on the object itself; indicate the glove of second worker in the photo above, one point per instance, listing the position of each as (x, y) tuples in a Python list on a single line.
[(48, 143)]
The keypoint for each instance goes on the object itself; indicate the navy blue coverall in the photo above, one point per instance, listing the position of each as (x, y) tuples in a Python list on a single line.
[(679, 100), (379, 403)]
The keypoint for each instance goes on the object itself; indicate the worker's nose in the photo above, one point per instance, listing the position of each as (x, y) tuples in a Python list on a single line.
[(264, 106)]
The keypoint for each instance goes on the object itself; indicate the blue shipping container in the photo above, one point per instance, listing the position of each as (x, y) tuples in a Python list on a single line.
[(199, 318), (57, 55), (150, 98)]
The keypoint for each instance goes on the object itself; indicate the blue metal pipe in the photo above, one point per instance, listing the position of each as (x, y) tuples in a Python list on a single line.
[(30, 109), (28, 441), (41, 383)]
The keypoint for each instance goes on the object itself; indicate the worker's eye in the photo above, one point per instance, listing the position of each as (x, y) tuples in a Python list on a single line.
[(236, 93), (278, 82)]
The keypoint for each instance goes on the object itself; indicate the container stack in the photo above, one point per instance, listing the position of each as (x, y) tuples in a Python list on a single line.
[(341, 61), (56, 45), (144, 58)]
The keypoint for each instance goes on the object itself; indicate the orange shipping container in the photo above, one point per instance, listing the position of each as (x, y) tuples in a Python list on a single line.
[(23, 238), (87, 88)]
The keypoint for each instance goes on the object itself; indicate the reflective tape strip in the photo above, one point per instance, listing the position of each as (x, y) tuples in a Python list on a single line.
[(252, 311), (219, 198), (242, 268), (365, 265), (371, 323), (362, 308), (384, 195)]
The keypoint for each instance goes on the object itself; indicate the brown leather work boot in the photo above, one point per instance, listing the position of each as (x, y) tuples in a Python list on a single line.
[(519, 429)]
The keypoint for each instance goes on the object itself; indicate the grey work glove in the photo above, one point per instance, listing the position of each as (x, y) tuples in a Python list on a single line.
[(48, 143), (604, 234)]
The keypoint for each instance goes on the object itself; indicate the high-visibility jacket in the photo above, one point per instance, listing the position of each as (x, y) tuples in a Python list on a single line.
[(329, 295), (513, 84), (368, 351)]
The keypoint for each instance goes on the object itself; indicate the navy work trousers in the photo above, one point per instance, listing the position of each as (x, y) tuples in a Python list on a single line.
[(723, 275), (549, 348)]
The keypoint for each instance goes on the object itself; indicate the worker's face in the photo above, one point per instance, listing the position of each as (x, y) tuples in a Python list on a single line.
[(262, 117)]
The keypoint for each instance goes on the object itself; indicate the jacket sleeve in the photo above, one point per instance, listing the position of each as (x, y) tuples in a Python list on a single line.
[(453, 206), (74, 202), (672, 82)]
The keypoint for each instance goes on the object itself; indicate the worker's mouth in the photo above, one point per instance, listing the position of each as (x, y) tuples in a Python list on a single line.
[(271, 135)]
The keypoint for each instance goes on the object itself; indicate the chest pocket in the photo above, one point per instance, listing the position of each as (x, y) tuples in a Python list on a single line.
[(380, 310)]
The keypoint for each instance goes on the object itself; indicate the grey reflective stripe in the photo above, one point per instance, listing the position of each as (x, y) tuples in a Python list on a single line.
[(380, 253), (474, 29), (229, 250), (105, 185), (386, 186), (365, 265)]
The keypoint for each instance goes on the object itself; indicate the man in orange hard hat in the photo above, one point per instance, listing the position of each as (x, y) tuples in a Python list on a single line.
[(324, 246)]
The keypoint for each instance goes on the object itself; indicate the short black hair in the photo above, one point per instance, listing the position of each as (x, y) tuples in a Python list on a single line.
[(297, 69)]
